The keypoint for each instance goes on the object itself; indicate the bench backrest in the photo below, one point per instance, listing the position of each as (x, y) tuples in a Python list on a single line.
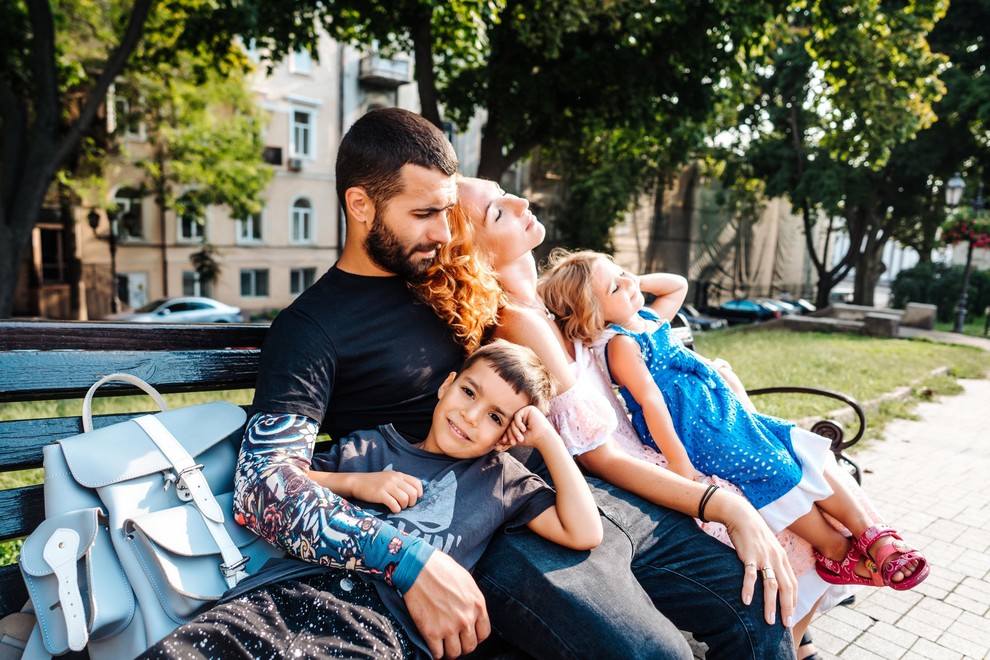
[(45, 360)]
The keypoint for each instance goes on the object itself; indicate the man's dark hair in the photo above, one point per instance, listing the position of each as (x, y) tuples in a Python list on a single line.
[(380, 143)]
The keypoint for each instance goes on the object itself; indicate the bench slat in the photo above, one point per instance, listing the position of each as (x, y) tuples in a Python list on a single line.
[(23, 439), (41, 375), (13, 592), (23, 510), (100, 336)]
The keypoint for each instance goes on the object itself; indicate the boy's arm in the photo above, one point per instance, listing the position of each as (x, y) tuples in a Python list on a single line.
[(629, 371), (669, 289), (573, 521), (396, 490)]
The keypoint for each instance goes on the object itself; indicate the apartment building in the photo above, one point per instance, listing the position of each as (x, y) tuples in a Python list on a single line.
[(91, 263)]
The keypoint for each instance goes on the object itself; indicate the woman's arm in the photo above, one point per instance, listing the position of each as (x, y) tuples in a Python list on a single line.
[(573, 521), (755, 544), (669, 289), (625, 362), (529, 330)]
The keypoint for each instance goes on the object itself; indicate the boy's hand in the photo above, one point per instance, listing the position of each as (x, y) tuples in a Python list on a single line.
[(529, 428), (396, 490)]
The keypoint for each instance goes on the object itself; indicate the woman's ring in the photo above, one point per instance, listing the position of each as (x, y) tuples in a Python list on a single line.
[(750, 563), (767, 573)]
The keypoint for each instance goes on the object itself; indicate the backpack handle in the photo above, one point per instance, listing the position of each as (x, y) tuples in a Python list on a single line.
[(87, 414)]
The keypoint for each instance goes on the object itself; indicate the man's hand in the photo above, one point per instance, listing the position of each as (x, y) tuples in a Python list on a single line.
[(448, 608), (758, 549)]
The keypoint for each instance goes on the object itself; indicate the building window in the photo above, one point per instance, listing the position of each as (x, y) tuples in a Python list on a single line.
[(123, 115), (192, 286), (254, 283), (191, 225), (301, 62), (302, 125), (301, 229), (52, 257), (301, 279), (249, 229), (130, 221)]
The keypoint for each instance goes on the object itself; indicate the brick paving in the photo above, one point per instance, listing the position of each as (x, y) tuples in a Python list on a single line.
[(931, 479)]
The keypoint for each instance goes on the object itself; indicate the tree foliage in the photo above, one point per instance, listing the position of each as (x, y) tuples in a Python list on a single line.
[(838, 89)]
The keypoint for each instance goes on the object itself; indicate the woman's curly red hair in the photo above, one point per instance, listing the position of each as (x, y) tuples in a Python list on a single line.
[(460, 286)]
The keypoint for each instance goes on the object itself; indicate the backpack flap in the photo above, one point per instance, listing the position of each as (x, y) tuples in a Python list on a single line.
[(186, 571), (124, 451), (69, 565)]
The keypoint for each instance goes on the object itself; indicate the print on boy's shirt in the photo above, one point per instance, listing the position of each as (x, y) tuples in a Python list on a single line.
[(430, 518)]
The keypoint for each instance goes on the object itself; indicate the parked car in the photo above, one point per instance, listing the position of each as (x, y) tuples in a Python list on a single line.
[(744, 310), (701, 322), (783, 306), (190, 309)]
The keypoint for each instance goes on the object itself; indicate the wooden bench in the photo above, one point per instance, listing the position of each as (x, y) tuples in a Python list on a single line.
[(45, 360)]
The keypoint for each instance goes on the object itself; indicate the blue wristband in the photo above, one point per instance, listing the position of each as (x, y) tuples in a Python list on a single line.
[(411, 563)]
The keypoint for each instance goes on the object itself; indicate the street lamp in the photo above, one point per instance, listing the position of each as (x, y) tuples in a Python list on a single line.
[(954, 188), (111, 239)]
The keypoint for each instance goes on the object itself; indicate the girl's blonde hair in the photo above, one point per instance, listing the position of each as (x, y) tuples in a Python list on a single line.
[(566, 287), (460, 286)]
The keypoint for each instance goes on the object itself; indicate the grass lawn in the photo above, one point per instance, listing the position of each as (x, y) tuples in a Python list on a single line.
[(974, 325), (862, 367)]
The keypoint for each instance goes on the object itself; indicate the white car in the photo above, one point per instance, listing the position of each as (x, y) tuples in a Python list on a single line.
[(182, 310)]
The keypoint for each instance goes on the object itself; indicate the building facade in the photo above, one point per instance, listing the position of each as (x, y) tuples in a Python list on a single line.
[(87, 263)]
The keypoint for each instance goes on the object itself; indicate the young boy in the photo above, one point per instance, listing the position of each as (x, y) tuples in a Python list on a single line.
[(452, 489)]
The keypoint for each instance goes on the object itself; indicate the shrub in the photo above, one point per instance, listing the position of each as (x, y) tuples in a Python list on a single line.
[(939, 284)]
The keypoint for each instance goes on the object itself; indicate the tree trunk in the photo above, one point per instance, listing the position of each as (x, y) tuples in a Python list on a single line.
[(426, 84), (46, 147)]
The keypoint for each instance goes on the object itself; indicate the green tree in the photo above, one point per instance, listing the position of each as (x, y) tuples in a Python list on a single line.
[(55, 70), (204, 131), (841, 86)]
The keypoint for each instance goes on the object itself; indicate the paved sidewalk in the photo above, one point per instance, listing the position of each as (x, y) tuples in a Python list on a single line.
[(929, 477)]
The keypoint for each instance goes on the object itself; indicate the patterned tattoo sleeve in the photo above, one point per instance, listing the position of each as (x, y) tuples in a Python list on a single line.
[(274, 497)]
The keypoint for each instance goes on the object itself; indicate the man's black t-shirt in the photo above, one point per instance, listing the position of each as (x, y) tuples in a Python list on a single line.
[(354, 352)]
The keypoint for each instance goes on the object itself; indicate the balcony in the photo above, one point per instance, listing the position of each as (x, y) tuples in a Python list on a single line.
[(377, 71)]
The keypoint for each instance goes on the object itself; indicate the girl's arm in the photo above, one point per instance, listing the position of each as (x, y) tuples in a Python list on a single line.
[(573, 521), (396, 490), (625, 362), (669, 289), (755, 544)]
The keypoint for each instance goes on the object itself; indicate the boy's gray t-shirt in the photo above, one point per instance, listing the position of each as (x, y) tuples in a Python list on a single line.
[(464, 503)]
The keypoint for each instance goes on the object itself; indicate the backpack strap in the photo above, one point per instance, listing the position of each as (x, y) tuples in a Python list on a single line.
[(192, 485)]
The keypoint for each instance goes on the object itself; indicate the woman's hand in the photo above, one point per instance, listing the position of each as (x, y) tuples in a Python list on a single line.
[(758, 550)]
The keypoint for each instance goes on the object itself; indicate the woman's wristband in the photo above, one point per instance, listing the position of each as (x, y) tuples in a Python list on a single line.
[(709, 492)]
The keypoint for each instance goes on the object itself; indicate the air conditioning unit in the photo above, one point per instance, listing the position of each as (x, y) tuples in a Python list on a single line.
[(295, 164)]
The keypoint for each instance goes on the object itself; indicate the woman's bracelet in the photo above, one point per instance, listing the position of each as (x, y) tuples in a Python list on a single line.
[(709, 492)]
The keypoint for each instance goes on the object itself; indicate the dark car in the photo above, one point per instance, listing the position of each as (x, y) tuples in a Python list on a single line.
[(744, 310), (189, 309), (701, 322)]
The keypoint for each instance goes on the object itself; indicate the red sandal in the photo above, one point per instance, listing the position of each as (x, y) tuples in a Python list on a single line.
[(884, 572), (842, 572)]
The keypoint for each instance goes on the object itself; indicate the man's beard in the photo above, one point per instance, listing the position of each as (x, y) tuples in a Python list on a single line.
[(385, 249)]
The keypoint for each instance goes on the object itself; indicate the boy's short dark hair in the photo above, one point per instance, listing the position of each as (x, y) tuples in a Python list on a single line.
[(380, 143), (520, 368)]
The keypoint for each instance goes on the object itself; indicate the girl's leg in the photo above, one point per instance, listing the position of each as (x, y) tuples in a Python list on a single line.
[(844, 506)]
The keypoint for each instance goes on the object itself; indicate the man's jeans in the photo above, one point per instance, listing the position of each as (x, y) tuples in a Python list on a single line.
[(654, 573)]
